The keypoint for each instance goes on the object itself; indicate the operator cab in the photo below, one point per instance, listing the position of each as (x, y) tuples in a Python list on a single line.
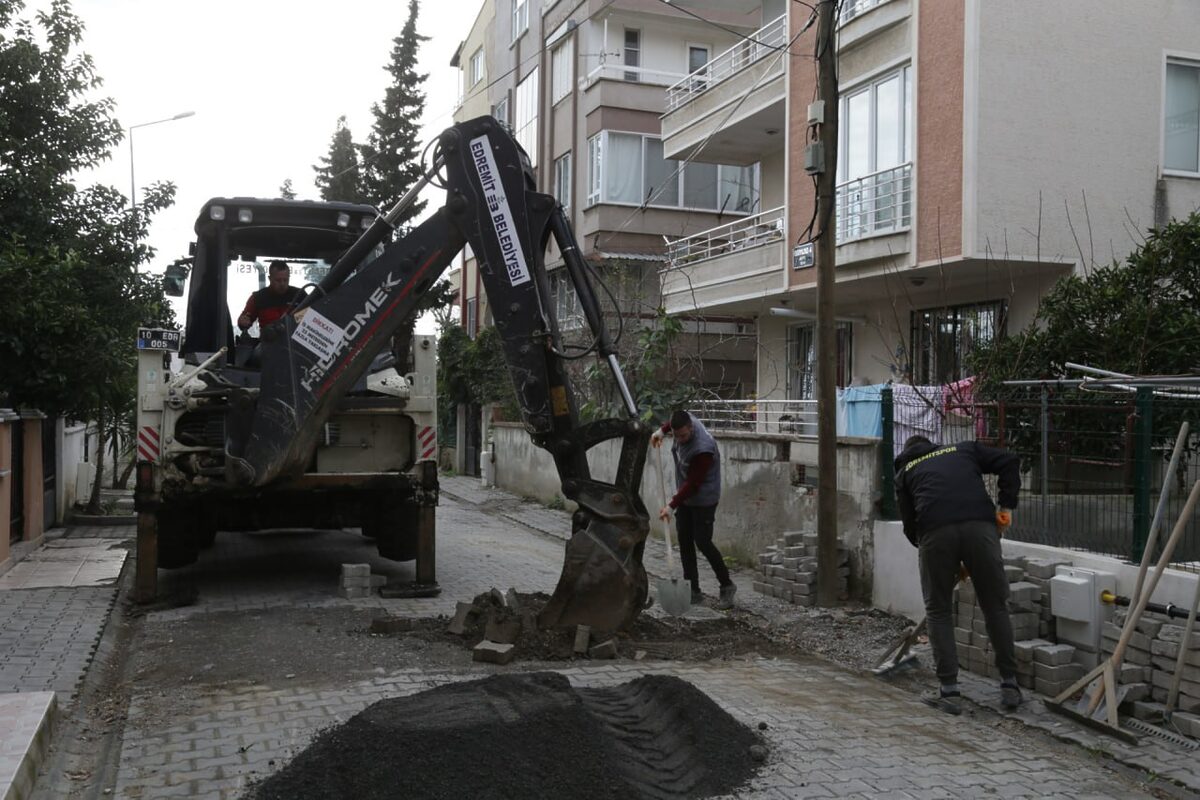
[(236, 239)]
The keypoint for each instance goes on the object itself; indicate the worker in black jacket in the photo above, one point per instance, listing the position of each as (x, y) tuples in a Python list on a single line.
[(951, 519)]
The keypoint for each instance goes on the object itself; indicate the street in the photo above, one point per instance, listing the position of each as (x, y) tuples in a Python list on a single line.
[(250, 653)]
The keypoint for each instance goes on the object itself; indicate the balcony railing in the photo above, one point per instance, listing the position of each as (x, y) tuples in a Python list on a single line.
[(742, 234), (767, 39), (874, 204), (796, 417), (620, 72), (854, 8)]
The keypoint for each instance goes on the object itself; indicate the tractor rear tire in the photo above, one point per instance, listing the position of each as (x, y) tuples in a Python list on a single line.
[(178, 537), (393, 526)]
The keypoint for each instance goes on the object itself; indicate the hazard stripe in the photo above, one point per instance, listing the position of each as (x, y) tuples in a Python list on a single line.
[(427, 435), (428, 453), (148, 443)]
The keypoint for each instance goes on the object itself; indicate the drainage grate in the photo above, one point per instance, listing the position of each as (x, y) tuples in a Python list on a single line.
[(1162, 733)]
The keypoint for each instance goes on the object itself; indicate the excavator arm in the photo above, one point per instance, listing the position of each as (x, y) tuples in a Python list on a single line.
[(313, 356)]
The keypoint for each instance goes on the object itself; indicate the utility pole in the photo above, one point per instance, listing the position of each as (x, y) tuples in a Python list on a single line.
[(827, 350)]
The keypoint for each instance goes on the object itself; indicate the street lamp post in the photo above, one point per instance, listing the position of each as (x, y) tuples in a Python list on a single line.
[(132, 184)]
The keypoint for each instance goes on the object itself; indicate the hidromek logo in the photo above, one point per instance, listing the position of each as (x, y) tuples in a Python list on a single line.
[(352, 330), (502, 219)]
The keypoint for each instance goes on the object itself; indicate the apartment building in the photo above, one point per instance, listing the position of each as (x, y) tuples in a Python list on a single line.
[(583, 85), (985, 150)]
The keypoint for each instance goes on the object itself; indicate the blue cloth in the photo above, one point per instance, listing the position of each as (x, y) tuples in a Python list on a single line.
[(864, 410)]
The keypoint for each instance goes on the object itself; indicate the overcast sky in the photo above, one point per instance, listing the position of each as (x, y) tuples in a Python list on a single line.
[(267, 80)]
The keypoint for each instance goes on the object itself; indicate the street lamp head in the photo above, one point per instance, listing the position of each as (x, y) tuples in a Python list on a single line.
[(184, 114)]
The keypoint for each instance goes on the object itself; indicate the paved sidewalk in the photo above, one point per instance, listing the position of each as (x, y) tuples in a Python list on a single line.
[(831, 734)]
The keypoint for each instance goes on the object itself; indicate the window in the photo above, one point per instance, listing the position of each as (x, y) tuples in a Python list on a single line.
[(802, 359), (629, 168), (477, 66), (876, 126), (472, 316), (593, 184), (520, 18), (1181, 128), (566, 301), (500, 111), (562, 64), (633, 52), (697, 65), (944, 338), (525, 128), (562, 180)]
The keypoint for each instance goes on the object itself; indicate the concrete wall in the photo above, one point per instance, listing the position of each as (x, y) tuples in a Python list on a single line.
[(763, 488), (1069, 100), (898, 584)]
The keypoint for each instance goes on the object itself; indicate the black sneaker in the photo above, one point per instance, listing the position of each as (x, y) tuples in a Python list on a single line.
[(727, 593), (1010, 696), (949, 702), (697, 597)]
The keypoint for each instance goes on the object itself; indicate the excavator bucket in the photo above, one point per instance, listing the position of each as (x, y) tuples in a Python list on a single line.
[(603, 583)]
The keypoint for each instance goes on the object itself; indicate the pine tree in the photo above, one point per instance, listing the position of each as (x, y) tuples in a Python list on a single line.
[(391, 156), (286, 191), (339, 176)]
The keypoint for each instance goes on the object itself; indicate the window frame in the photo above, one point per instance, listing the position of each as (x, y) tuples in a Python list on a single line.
[(904, 130), (475, 67), (521, 129), (520, 18), (505, 118), (925, 370), (560, 85), (844, 333), (637, 53), (598, 144), (563, 180), (1182, 60)]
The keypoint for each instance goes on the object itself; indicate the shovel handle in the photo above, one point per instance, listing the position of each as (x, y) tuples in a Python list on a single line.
[(662, 485)]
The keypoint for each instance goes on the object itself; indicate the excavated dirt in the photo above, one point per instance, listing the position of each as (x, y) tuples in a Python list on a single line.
[(660, 639), (527, 735)]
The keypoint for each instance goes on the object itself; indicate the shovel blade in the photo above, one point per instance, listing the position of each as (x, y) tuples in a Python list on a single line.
[(675, 596)]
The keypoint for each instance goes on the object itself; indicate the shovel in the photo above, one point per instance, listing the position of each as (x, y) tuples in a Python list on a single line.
[(674, 595)]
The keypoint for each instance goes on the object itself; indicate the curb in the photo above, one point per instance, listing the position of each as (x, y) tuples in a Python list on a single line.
[(28, 757)]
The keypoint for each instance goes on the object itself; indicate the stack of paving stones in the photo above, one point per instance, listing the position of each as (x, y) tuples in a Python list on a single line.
[(787, 570), (358, 582), (1042, 664), (1149, 665)]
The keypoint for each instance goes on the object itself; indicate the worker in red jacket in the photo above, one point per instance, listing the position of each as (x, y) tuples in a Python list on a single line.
[(272, 301), (698, 490)]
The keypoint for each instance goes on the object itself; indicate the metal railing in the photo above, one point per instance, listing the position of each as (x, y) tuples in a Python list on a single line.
[(620, 72), (766, 40), (877, 203), (855, 8), (742, 234), (1092, 462), (795, 417)]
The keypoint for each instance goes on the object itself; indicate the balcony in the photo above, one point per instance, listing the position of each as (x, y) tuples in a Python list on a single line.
[(855, 8), (740, 261), (734, 103), (795, 417), (614, 85), (875, 204)]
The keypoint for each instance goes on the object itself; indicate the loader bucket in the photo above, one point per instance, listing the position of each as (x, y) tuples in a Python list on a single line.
[(603, 583)]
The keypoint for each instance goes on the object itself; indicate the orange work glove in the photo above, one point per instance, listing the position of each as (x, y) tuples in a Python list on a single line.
[(963, 575), (1003, 519)]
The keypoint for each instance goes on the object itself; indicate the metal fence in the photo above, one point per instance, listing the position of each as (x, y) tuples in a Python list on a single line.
[(794, 417), (1093, 460)]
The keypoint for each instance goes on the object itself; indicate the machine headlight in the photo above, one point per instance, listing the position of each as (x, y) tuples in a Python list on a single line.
[(366, 223), (343, 220), (216, 212), (245, 216)]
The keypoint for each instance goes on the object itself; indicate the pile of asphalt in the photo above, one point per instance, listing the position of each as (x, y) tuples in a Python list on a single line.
[(527, 735)]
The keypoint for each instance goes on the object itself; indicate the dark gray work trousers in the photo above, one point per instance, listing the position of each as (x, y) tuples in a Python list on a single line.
[(976, 545)]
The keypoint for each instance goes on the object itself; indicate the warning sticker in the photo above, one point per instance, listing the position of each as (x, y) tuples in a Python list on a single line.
[(318, 334)]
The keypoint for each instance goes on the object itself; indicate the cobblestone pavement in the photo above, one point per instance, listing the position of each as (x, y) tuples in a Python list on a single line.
[(48, 636), (832, 733)]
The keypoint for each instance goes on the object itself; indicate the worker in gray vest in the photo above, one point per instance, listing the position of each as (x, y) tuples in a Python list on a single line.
[(698, 490)]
